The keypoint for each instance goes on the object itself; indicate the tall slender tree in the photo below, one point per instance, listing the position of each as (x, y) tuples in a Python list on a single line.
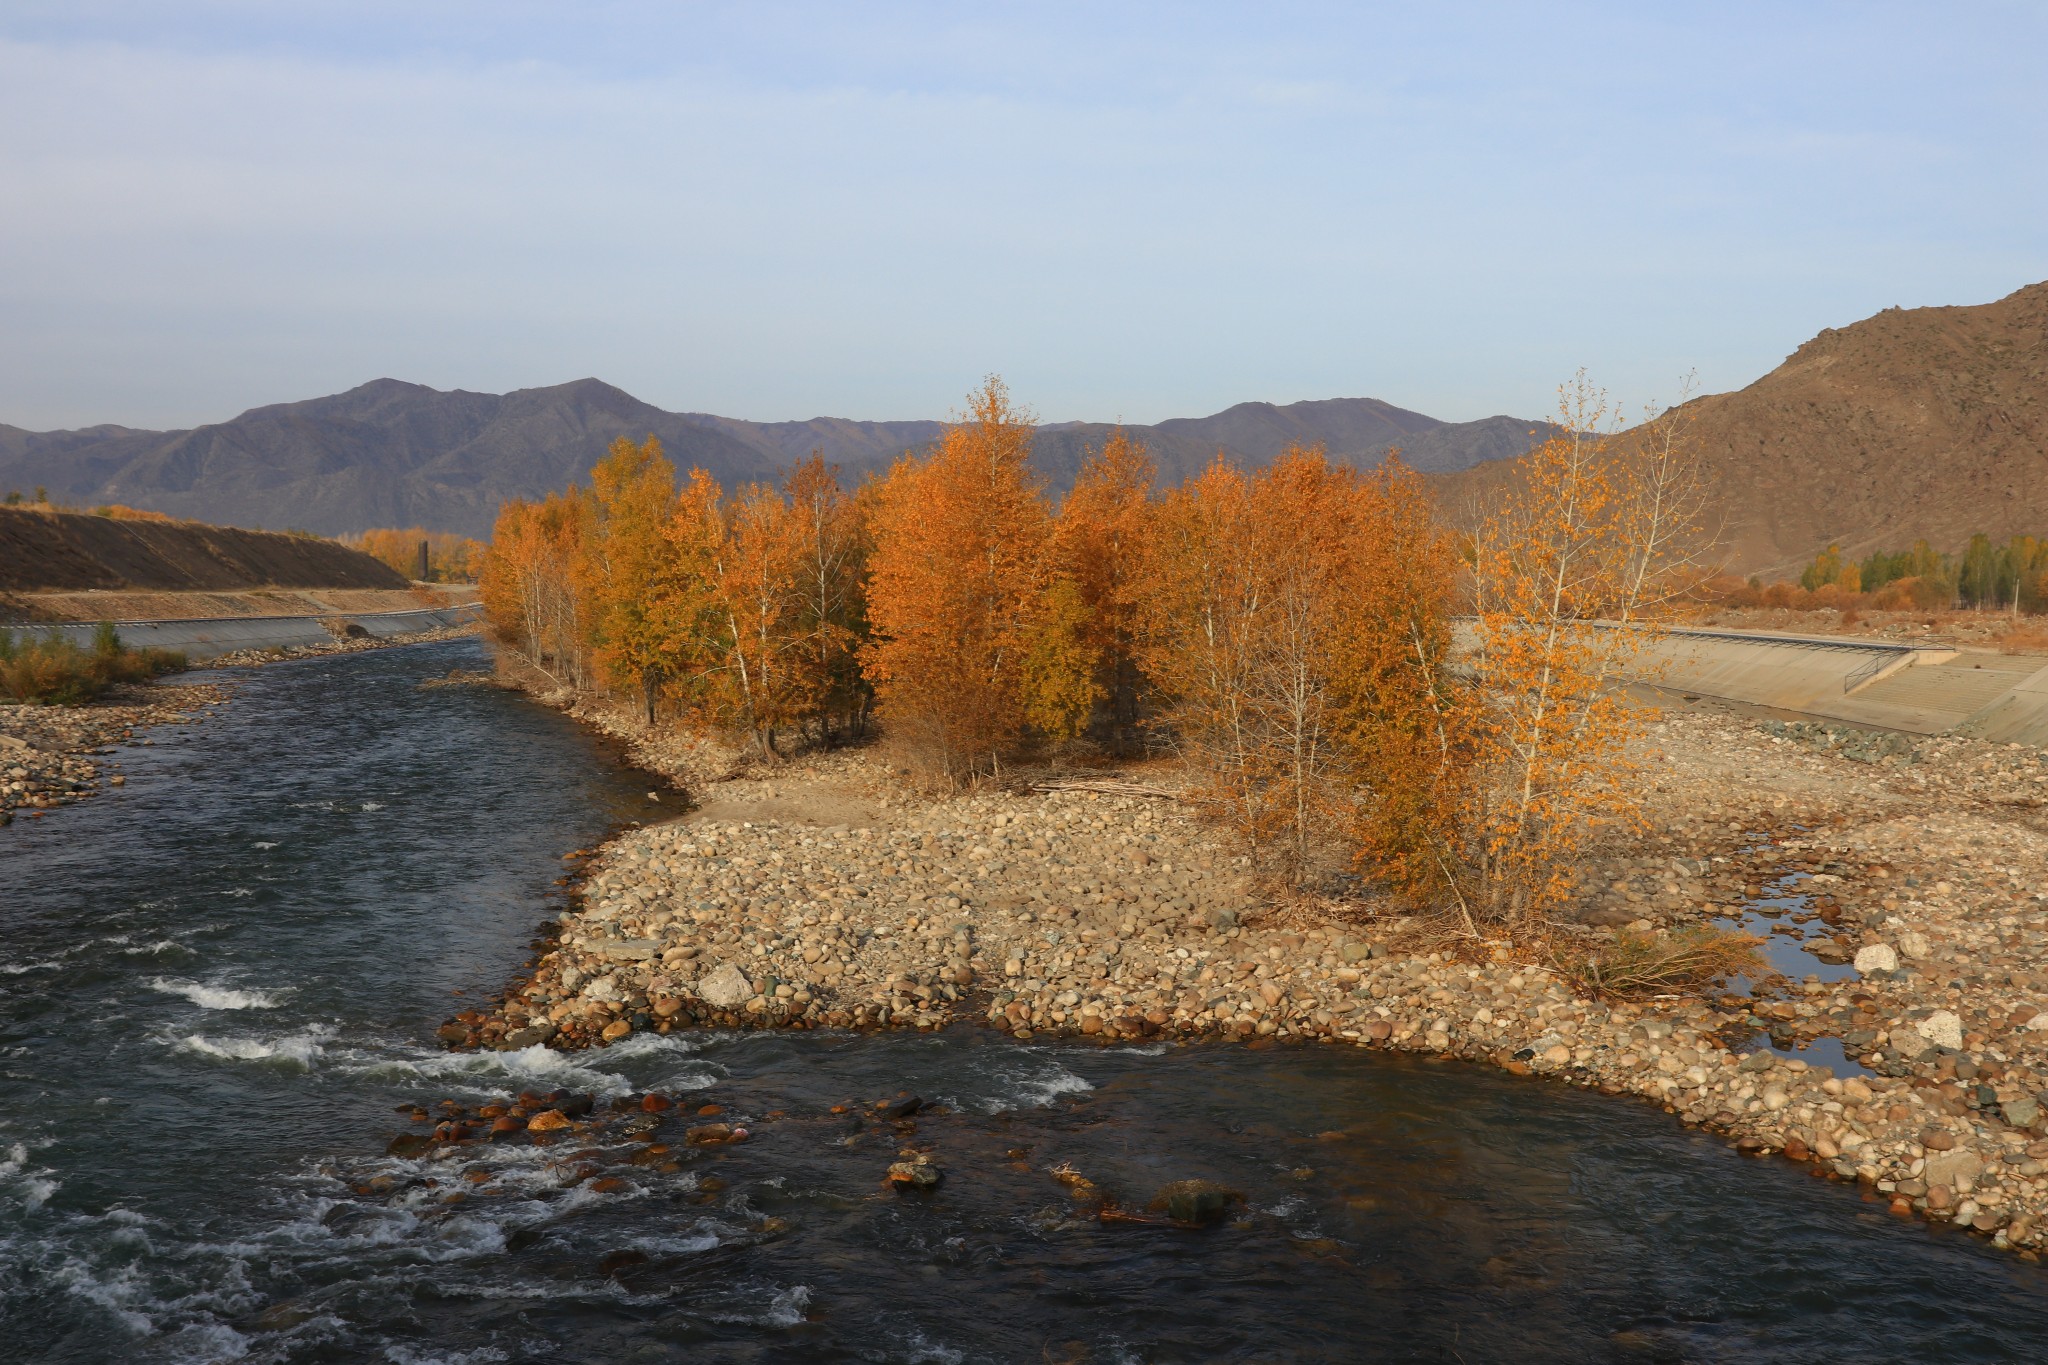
[(632, 494), (954, 581), (1098, 539), (829, 618)]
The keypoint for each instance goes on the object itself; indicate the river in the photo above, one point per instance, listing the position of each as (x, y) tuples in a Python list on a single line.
[(219, 982)]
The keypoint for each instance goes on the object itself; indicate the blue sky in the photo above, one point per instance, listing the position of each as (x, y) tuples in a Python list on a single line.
[(1130, 211)]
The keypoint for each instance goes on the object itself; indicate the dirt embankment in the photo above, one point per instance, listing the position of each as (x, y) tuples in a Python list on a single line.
[(141, 605), (44, 551)]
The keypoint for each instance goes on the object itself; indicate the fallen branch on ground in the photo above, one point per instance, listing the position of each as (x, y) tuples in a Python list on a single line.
[(1103, 786)]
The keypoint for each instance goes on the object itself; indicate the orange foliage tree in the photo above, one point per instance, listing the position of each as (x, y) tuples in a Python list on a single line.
[(954, 588), (1301, 664), (748, 669), (1098, 541), (529, 583), (624, 565), (1570, 567), (829, 618)]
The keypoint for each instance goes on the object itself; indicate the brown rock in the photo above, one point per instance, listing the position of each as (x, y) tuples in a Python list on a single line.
[(616, 1029), (547, 1121), (653, 1104), (667, 1008), (1379, 1030), (1796, 1149), (1939, 1197), (1937, 1140)]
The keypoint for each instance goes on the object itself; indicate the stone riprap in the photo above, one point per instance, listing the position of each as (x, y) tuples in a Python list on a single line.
[(342, 644)]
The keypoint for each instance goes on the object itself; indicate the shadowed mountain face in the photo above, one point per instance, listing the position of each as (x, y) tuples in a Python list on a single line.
[(1917, 422), (395, 454)]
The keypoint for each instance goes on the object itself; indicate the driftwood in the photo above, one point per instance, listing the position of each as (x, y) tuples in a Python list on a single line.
[(1104, 786)]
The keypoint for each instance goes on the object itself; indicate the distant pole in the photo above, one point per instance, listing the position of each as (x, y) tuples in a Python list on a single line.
[(423, 561)]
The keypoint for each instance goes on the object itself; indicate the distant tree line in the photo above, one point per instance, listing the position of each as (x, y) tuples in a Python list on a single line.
[(1985, 575), (451, 558)]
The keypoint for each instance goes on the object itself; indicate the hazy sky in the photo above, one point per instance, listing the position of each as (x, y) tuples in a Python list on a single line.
[(776, 211)]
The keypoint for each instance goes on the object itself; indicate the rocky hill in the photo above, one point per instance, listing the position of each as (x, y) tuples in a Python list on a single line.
[(1916, 422), (395, 454), (68, 551)]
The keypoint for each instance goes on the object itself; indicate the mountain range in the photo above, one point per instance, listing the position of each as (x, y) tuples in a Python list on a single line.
[(390, 453)]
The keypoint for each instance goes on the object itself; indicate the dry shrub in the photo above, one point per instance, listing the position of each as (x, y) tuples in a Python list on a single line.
[(49, 670), (1684, 959), (2025, 640), (114, 511)]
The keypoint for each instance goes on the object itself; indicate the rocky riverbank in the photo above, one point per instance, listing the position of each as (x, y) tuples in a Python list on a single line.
[(48, 753), (342, 644), (828, 895)]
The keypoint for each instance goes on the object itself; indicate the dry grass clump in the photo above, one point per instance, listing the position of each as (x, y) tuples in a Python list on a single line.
[(1682, 959), (2028, 639), (49, 670)]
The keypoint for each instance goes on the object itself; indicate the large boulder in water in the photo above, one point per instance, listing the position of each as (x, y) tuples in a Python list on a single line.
[(727, 988), (1195, 1201)]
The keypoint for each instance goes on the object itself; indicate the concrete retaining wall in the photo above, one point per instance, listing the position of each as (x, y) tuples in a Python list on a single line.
[(2019, 717), (206, 639), (1791, 673)]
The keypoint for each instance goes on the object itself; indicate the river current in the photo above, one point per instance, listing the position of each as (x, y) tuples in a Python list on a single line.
[(219, 983)]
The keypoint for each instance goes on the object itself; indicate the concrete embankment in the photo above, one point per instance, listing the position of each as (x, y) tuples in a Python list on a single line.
[(1872, 684), (201, 639)]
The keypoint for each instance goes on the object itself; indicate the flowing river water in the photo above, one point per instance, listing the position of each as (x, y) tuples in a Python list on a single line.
[(218, 982)]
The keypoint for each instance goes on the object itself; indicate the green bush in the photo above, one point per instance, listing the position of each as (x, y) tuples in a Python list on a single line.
[(49, 670)]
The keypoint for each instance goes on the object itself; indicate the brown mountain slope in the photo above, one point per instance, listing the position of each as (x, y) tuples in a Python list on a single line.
[(1916, 422), (67, 550)]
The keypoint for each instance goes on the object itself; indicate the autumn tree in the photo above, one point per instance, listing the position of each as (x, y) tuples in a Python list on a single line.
[(1098, 539), (753, 588), (1299, 654), (1403, 712), (1571, 565), (829, 616), (623, 566), (955, 578), (530, 584)]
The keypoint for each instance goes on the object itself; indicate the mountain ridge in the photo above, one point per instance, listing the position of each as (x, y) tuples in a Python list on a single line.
[(1911, 423), (390, 452)]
